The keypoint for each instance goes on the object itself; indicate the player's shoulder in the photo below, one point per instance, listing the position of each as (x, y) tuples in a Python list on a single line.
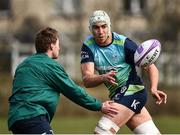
[(89, 41), (118, 38)]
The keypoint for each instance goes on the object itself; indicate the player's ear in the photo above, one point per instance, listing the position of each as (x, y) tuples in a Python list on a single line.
[(51, 46)]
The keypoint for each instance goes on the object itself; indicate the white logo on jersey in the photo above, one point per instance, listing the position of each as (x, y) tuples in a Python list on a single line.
[(134, 104), (117, 96), (123, 89), (84, 55)]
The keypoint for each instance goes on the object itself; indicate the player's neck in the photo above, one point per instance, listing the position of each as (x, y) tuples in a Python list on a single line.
[(49, 53), (107, 41)]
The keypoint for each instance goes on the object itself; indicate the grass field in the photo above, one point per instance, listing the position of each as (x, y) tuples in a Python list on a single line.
[(85, 125)]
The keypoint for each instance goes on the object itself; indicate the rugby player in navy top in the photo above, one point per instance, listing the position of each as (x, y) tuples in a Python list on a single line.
[(112, 55)]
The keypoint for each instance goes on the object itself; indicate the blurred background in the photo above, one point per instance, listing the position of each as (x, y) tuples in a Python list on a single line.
[(139, 20)]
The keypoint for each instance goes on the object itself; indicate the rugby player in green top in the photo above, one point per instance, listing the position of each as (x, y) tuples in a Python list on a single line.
[(38, 82)]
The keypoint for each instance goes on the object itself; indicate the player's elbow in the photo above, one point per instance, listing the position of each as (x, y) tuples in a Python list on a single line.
[(86, 82), (87, 85)]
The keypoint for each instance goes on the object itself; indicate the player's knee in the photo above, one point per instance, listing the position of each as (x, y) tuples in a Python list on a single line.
[(147, 127), (106, 126)]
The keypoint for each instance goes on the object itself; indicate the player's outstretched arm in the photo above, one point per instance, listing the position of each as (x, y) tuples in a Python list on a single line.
[(161, 97)]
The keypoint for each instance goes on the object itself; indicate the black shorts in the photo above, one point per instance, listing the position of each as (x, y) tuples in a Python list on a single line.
[(134, 102), (35, 125)]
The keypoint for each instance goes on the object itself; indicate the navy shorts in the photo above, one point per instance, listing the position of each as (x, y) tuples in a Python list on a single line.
[(134, 102), (35, 125)]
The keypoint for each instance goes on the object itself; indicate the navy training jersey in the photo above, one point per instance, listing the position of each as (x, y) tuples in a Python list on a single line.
[(117, 56)]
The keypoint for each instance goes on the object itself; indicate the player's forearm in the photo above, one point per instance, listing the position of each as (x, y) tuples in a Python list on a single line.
[(153, 76), (93, 80)]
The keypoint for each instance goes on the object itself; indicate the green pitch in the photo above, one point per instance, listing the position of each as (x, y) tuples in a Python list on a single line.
[(85, 125)]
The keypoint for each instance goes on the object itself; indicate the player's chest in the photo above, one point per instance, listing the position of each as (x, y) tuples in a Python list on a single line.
[(109, 56)]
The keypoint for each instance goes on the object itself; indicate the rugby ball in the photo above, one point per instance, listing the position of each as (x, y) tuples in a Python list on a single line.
[(147, 53)]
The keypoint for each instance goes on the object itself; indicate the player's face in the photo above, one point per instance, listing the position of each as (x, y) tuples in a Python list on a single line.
[(56, 49), (100, 31)]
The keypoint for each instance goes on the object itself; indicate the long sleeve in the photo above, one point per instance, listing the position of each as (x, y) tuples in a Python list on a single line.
[(63, 83)]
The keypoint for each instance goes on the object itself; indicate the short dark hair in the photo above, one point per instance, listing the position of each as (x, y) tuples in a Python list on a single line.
[(44, 38)]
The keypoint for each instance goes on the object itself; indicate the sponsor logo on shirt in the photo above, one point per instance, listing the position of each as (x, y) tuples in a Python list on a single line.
[(84, 55)]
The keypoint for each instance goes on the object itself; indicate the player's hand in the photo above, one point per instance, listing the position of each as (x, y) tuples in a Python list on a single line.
[(109, 77), (108, 109), (160, 96)]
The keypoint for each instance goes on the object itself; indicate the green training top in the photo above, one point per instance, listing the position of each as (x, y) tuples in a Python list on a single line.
[(37, 85)]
